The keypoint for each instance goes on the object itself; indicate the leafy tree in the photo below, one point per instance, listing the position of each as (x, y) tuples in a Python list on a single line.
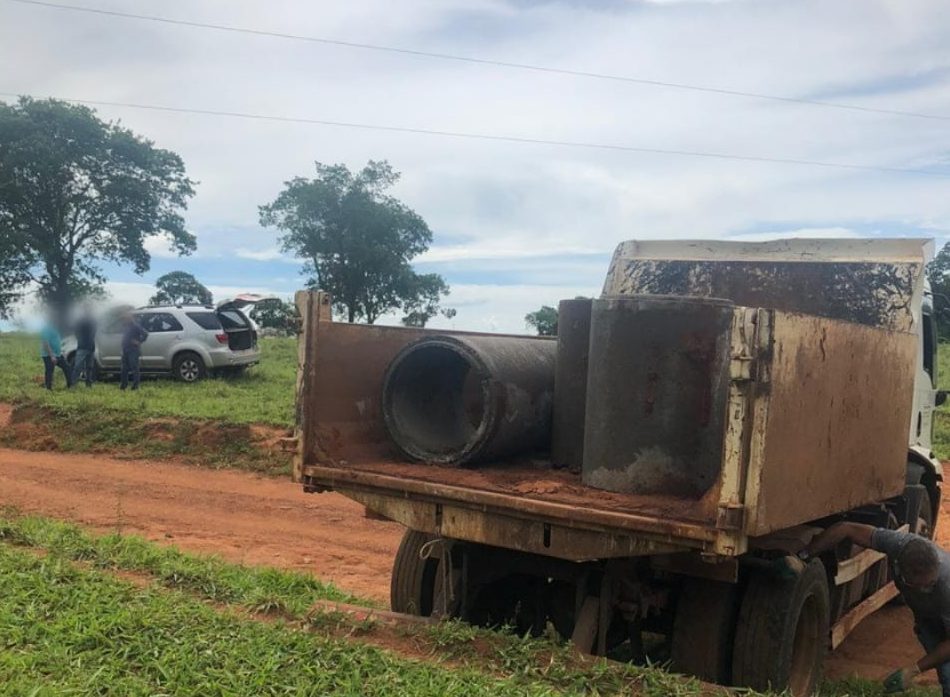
[(180, 288), (75, 190), (543, 321), (357, 240), (938, 273), (276, 314), (425, 291)]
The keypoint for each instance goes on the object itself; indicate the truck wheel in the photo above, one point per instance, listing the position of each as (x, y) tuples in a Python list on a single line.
[(704, 628), (414, 587), (782, 633), (188, 367)]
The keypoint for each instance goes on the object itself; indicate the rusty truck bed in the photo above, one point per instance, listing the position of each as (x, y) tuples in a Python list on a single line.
[(797, 443), (342, 445)]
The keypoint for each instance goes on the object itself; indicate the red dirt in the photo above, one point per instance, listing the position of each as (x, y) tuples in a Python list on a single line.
[(270, 521), (240, 516)]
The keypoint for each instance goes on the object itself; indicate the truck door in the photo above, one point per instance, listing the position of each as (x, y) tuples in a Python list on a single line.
[(926, 378)]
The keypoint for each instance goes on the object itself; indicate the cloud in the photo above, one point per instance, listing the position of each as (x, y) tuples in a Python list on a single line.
[(270, 254), (160, 246), (520, 220)]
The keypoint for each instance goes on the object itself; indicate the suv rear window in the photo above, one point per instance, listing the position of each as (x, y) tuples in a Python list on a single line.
[(232, 319), (205, 320)]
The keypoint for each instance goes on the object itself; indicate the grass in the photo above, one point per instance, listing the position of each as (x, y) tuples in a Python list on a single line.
[(207, 423), (75, 631), (43, 638), (264, 394), (37, 640)]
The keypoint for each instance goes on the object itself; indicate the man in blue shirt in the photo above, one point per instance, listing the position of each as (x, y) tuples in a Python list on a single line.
[(132, 338), (921, 571), (51, 351)]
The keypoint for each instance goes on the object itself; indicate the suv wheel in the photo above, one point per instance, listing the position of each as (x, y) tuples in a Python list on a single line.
[(189, 367)]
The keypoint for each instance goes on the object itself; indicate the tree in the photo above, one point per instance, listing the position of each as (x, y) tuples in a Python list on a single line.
[(357, 240), (543, 321), (424, 292), (276, 314), (75, 190), (180, 288), (938, 273)]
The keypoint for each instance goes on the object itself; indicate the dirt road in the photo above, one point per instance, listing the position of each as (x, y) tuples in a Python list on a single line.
[(272, 522), (240, 516)]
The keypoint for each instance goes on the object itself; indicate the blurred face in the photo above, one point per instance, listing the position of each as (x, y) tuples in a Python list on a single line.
[(923, 582)]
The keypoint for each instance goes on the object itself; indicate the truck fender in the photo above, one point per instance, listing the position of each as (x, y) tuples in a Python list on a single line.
[(926, 470)]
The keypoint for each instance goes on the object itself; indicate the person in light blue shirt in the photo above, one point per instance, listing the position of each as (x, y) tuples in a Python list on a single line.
[(51, 351)]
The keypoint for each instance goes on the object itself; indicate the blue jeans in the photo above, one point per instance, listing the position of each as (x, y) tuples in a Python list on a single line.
[(930, 633), (130, 368), (49, 366), (83, 361)]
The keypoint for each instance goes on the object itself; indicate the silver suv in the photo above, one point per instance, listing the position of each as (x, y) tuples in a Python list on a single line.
[(188, 341)]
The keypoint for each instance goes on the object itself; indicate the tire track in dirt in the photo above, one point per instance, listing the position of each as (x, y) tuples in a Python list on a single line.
[(271, 522)]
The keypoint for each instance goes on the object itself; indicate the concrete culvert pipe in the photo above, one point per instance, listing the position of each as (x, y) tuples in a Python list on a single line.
[(453, 399)]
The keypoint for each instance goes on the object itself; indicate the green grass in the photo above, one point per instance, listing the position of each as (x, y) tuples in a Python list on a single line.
[(497, 661), (58, 640), (74, 631), (264, 394)]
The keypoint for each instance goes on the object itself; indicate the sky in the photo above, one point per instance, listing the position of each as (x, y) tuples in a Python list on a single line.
[(518, 225)]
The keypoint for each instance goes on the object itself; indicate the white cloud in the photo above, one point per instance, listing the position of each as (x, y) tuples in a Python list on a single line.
[(496, 205), (160, 246), (269, 254)]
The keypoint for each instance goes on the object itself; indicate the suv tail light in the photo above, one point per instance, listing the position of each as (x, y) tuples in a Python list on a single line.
[(222, 338)]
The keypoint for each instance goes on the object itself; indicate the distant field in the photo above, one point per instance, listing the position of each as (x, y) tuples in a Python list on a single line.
[(265, 394)]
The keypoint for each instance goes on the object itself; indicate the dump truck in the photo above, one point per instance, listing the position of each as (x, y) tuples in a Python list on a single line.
[(647, 482)]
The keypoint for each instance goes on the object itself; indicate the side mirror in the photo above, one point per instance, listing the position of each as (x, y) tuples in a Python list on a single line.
[(940, 397)]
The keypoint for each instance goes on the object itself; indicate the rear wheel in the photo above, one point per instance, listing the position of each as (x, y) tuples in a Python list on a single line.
[(416, 586), (188, 367), (782, 633), (704, 628)]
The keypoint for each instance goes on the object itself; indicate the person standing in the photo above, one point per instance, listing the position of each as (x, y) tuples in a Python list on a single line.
[(51, 351), (84, 359), (132, 338)]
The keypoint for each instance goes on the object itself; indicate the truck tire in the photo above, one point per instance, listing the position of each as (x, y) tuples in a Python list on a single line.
[(704, 629), (413, 578), (782, 632)]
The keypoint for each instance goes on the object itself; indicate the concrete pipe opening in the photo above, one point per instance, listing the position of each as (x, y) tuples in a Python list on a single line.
[(436, 402)]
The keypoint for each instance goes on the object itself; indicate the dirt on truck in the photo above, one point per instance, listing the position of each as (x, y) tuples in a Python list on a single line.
[(646, 482)]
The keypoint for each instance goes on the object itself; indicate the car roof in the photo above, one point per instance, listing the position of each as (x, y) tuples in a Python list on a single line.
[(153, 308)]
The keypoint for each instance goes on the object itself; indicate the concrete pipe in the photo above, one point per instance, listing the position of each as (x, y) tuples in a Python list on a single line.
[(570, 383), (462, 399), (657, 391)]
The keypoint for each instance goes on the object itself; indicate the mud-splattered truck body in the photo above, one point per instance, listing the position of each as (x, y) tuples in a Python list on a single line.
[(801, 363)]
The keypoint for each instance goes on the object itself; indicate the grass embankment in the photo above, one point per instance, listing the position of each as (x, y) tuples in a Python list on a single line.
[(68, 624), (220, 422), (185, 626)]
